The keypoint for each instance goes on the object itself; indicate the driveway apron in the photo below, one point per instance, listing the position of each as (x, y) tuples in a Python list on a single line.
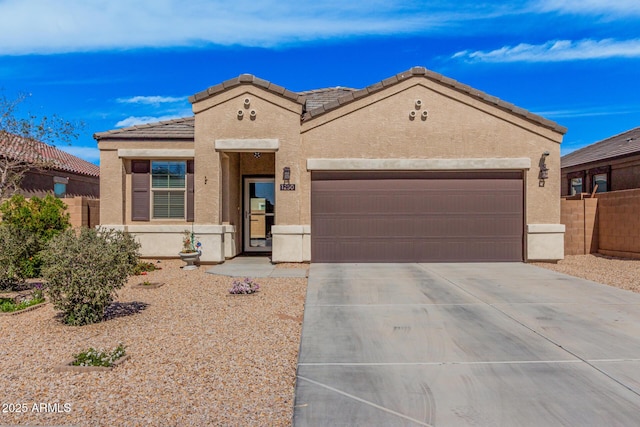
[(491, 344)]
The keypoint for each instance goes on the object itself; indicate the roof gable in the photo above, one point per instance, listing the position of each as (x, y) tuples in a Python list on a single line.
[(624, 144), (246, 79), (315, 103), (439, 78)]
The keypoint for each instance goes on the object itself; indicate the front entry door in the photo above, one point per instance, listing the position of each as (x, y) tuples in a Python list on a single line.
[(259, 213)]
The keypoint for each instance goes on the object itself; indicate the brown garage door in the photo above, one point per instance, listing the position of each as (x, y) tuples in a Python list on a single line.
[(416, 217)]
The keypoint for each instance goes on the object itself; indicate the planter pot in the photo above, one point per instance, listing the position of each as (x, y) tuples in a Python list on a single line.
[(190, 258)]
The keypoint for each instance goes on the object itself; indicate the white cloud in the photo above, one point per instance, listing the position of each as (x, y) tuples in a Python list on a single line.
[(90, 154), (590, 7), (45, 26), (151, 100), (133, 120), (557, 51), (589, 112)]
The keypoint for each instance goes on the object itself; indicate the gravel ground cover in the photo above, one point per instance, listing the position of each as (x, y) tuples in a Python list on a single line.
[(618, 272), (199, 357)]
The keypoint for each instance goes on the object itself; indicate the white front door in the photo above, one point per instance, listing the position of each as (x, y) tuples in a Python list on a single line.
[(259, 213)]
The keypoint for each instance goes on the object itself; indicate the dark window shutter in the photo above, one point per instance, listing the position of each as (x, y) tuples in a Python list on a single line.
[(190, 191), (140, 197)]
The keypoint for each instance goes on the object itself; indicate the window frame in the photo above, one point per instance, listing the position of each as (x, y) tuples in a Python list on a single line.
[(572, 191), (606, 180), (153, 190), (60, 181)]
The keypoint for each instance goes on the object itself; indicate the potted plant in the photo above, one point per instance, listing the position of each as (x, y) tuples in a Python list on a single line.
[(189, 253)]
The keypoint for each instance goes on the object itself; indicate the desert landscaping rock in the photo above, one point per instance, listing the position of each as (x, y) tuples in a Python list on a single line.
[(618, 272), (153, 285), (197, 358)]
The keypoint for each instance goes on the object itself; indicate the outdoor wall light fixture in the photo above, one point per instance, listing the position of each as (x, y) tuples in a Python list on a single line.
[(286, 174), (240, 114), (544, 170)]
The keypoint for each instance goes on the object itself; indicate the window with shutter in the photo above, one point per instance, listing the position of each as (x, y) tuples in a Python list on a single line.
[(168, 187)]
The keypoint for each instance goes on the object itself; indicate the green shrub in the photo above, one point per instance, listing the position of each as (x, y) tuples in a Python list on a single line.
[(16, 257), (46, 217), (85, 269), (41, 219)]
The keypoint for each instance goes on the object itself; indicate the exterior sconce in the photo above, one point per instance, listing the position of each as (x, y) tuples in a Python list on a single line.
[(247, 102), (544, 170), (424, 115), (412, 115), (286, 174), (253, 114), (240, 114), (418, 104)]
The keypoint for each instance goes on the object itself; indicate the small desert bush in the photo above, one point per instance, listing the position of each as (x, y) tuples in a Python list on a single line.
[(93, 357), (84, 269)]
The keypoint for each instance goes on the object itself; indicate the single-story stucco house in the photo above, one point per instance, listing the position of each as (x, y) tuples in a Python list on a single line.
[(417, 167)]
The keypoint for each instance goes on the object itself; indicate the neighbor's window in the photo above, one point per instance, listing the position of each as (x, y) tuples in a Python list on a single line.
[(601, 180), (168, 185), (60, 186), (576, 186)]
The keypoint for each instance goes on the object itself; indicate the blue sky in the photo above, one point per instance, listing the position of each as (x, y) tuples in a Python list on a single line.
[(114, 63)]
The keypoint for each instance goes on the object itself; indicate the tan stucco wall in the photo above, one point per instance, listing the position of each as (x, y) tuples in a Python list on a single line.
[(457, 126), (217, 118), (115, 178)]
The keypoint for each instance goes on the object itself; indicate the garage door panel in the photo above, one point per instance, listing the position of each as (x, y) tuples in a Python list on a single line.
[(448, 217)]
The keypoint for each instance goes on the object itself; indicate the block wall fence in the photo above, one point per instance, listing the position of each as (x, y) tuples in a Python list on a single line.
[(608, 224)]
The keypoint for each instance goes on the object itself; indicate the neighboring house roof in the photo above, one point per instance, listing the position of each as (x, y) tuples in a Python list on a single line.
[(624, 144), (314, 102), (60, 160)]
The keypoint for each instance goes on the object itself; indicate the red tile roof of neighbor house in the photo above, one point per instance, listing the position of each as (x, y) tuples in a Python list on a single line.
[(624, 144), (59, 160), (314, 102)]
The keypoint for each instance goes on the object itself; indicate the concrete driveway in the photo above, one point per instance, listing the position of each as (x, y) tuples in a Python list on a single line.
[(504, 344)]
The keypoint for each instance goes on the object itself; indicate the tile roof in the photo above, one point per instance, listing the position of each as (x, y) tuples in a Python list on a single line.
[(624, 144), (314, 102), (250, 80), (60, 160), (319, 97), (180, 129)]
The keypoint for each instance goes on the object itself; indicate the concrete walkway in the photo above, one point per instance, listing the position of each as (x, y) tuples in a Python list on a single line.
[(254, 266), (504, 344)]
